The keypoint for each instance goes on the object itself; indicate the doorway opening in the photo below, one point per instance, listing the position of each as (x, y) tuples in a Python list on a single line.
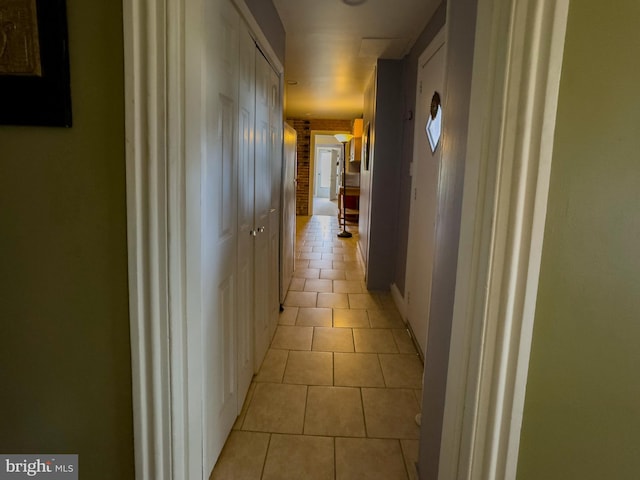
[(323, 173), (325, 186)]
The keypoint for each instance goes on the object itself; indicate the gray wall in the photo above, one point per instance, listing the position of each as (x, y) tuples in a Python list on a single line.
[(582, 405), (267, 17), (65, 365), (398, 149), (369, 120), (409, 81), (381, 190), (461, 19)]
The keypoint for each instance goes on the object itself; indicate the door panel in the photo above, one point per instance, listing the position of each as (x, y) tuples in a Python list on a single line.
[(333, 188), (276, 124), (424, 188), (246, 214), (262, 204), (324, 175), (218, 210), (288, 231)]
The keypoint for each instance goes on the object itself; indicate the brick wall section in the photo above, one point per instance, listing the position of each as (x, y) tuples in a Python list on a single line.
[(303, 128)]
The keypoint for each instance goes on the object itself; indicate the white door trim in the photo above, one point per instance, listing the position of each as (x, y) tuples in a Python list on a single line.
[(517, 64), (148, 139), (312, 162)]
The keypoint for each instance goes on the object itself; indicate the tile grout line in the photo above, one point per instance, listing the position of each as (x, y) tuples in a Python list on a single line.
[(404, 461), (364, 415), (335, 460), (284, 371), (306, 404), (384, 377), (333, 369), (264, 463)]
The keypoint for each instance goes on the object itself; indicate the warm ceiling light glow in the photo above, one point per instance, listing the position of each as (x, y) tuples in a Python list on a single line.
[(343, 137)]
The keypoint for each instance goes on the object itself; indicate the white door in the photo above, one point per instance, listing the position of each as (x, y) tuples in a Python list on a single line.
[(324, 173), (228, 200), (288, 209), (333, 187), (262, 203), (276, 126), (424, 189), (246, 120), (218, 237)]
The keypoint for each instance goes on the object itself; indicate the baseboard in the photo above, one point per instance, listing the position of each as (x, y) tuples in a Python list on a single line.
[(398, 299)]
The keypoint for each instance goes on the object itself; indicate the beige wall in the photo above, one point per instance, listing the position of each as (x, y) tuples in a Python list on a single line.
[(64, 356), (582, 409)]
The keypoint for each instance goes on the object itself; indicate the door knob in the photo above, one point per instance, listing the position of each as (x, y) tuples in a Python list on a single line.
[(261, 229), (253, 233)]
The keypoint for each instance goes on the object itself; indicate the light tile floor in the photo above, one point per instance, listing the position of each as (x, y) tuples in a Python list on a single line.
[(338, 391)]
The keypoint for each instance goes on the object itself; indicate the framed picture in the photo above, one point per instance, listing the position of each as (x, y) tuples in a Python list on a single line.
[(366, 134), (34, 63)]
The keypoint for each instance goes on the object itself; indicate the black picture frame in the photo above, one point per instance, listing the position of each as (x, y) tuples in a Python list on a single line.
[(366, 145), (43, 100)]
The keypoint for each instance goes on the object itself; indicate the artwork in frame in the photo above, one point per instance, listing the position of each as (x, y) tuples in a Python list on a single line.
[(366, 145), (34, 63)]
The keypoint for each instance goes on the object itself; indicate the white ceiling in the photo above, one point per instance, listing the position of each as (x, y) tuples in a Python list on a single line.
[(332, 48)]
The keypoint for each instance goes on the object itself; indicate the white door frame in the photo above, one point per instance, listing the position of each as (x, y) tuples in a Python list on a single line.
[(517, 64), (312, 162), (167, 433), (154, 134), (318, 169)]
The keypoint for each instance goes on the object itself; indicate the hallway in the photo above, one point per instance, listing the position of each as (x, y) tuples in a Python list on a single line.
[(325, 207), (337, 394)]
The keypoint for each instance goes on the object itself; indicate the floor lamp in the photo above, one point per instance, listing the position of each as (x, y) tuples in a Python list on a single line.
[(344, 138)]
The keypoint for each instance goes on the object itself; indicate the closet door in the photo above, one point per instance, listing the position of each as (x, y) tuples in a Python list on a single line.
[(246, 198), (262, 209), (288, 211), (218, 214), (276, 145)]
